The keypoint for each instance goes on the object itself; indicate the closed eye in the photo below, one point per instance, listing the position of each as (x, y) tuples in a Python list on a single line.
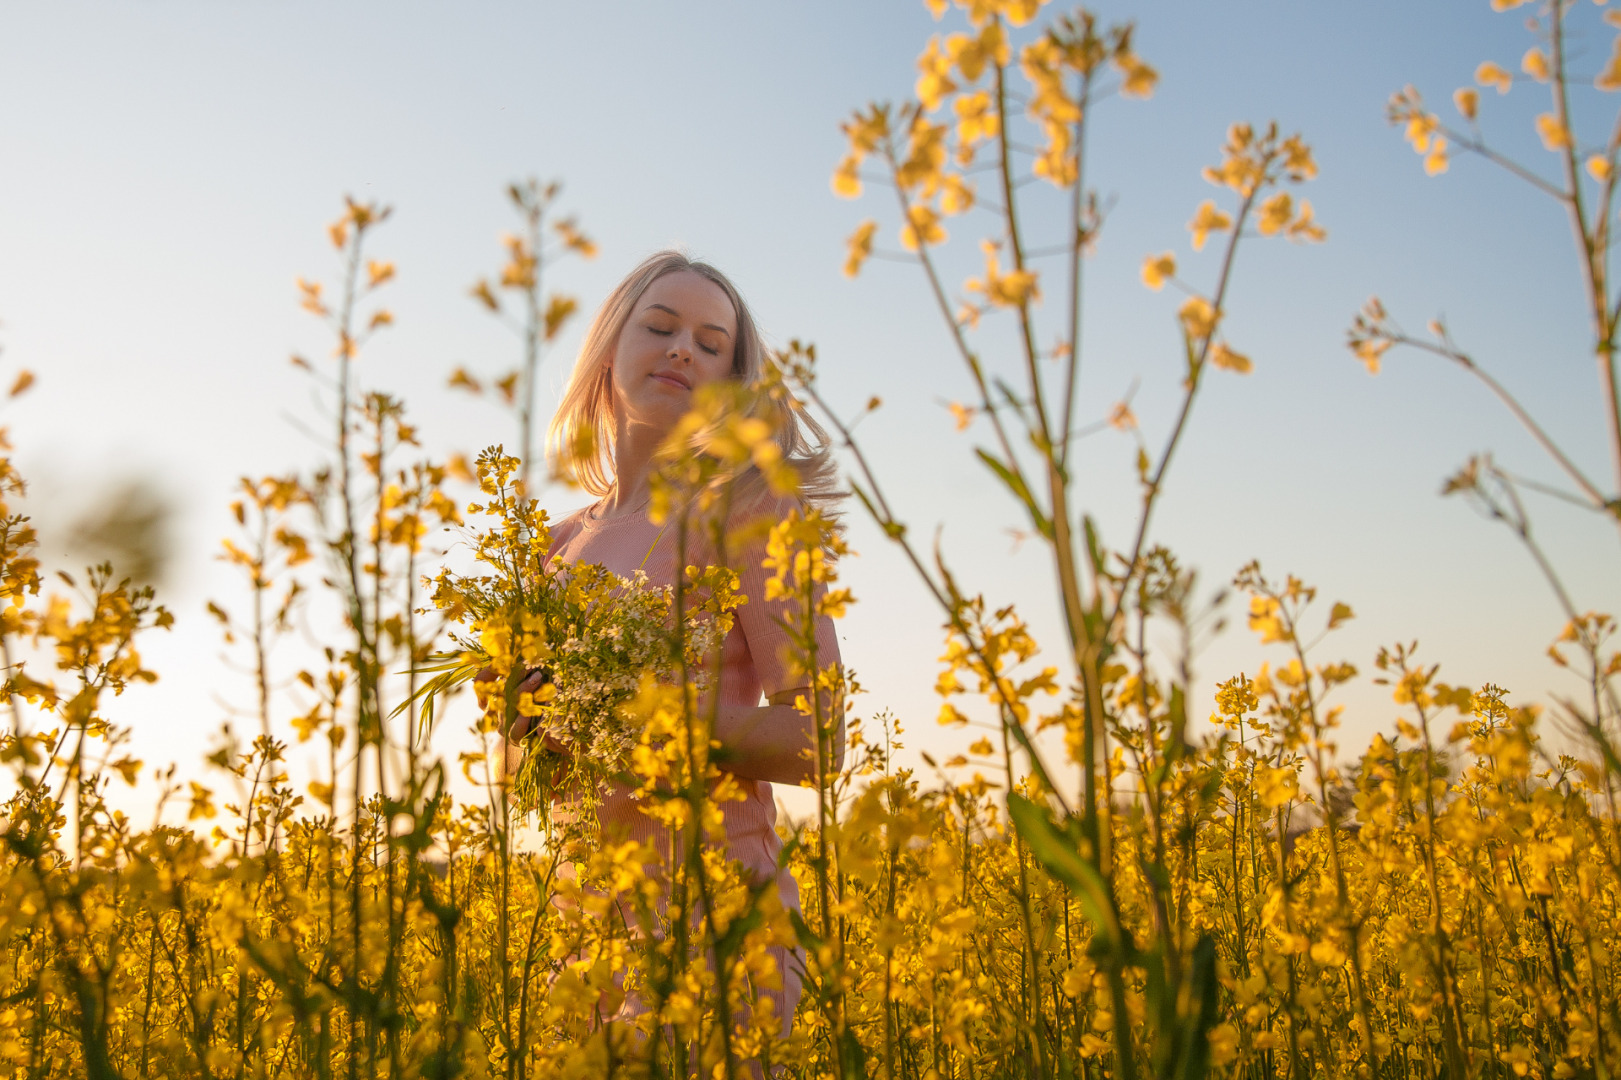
[(712, 350)]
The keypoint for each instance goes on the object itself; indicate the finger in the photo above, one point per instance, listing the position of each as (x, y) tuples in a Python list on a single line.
[(533, 681)]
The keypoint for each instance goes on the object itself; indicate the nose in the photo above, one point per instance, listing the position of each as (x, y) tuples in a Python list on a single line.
[(680, 349)]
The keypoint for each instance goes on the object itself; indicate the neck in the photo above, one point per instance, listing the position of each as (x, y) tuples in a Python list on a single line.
[(634, 446)]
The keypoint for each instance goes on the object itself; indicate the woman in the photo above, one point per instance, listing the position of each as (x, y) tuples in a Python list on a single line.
[(672, 326)]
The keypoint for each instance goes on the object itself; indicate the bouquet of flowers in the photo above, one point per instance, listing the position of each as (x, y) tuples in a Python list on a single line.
[(594, 635)]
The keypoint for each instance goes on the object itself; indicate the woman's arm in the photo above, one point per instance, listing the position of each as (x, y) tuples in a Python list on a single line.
[(776, 742)]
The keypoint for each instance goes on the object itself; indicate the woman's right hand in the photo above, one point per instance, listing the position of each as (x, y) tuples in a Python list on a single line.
[(531, 684)]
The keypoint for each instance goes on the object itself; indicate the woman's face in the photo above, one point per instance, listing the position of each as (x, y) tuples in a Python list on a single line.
[(681, 335)]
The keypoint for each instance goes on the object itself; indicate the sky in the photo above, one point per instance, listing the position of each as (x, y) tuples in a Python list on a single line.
[(167, 171)]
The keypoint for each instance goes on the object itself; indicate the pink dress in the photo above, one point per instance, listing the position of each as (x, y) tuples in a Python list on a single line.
[(754, 664)]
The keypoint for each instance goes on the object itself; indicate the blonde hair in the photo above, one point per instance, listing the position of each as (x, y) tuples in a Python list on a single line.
[(581, 436)]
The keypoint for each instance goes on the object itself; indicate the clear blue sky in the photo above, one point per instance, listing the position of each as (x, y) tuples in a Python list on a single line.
[(167, 170)]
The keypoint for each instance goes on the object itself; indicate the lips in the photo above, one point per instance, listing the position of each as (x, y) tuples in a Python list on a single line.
[(674, 378)]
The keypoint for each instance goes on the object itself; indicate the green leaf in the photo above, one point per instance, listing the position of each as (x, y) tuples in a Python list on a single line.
[(1014, 482), (1176, 746), (453, 669), (1094, 545), (1060, 854), (1193, 1059), (808, 938), (852, 1057)]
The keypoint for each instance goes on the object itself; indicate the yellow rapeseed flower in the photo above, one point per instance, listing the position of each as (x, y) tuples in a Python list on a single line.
[(1137, 79), (1276, 213), (934, 79), (1535, 64), (860, 247), (847, 179), (1229, 360), (1555, 136), (922, 227), (1436, 161), (1198, 317), (1157, 269), (1490, 74), (1206, 220)]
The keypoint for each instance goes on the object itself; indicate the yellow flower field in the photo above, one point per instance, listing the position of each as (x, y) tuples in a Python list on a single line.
[(1117, 880)]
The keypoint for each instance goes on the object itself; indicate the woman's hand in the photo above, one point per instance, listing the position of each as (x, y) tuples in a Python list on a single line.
[(521, 727)]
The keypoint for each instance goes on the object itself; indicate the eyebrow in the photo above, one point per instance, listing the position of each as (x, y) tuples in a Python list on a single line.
[(677, 314)]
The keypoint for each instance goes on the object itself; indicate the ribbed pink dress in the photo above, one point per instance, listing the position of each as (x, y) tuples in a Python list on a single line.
[(753, 665)]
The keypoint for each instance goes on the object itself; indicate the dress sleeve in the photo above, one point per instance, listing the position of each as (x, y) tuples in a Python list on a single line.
[(765, 623)]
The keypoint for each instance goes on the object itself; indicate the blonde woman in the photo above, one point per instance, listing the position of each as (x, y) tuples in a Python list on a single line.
[(672, 326)]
